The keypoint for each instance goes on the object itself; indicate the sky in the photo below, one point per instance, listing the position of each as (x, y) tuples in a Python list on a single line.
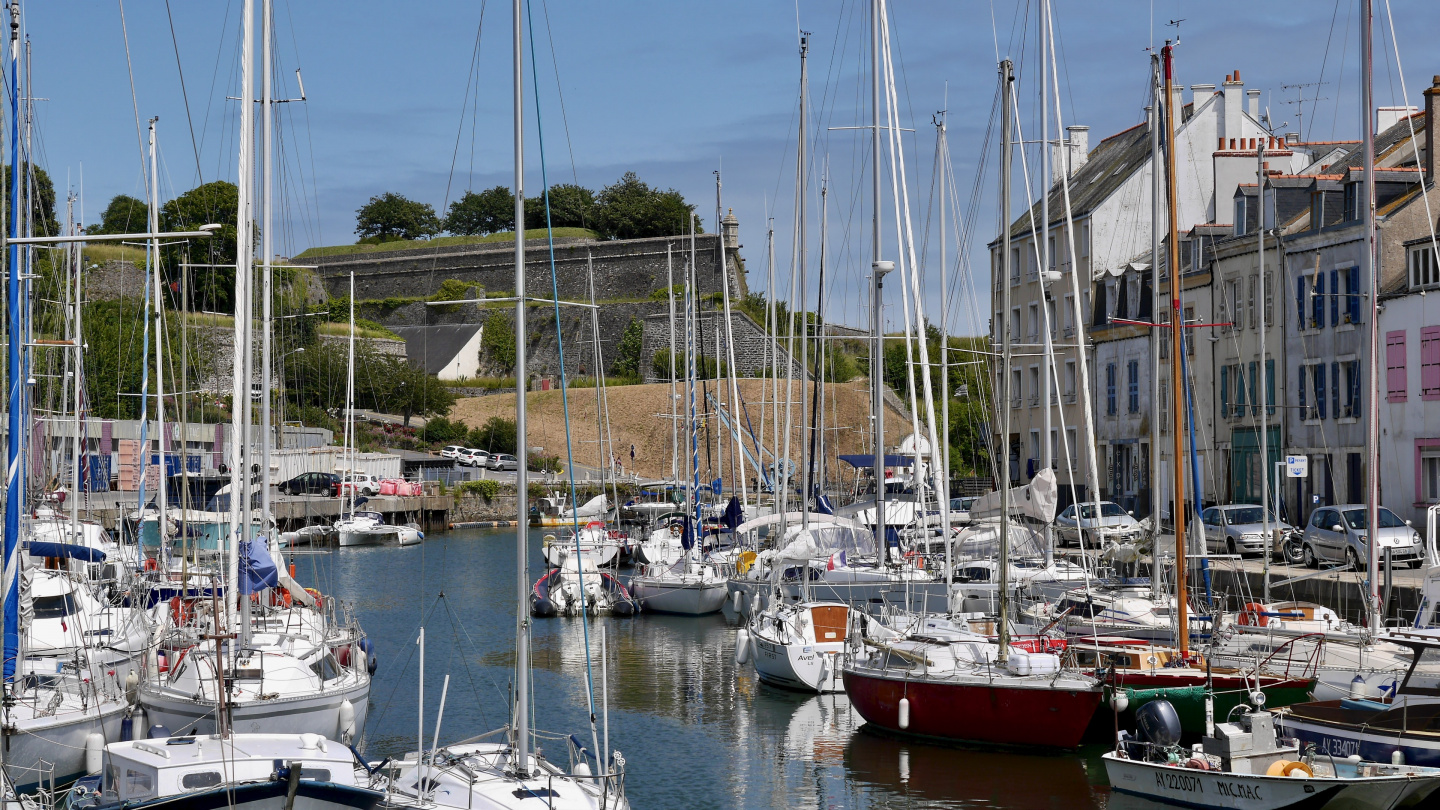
[(416, 99)]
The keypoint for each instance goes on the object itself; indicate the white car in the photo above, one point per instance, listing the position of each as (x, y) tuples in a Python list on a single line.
[(452, 451), (472, 458), (1113, 523), (362, 483)]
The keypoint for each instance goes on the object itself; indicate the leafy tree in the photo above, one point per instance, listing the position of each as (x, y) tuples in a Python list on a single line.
[(124, 214), (43, 205), (490, 211), (571, 206), (498, 342), (392, 215), (627, 353), (405, 389), (212, 288), (497, 435), (631, 209), (113, 356), (441, 430)]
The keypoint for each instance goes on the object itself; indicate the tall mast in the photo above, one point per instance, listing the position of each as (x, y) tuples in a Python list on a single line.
[(267, 106), (1157, 193), (522, 477), (1002, 561), (878, 270), (737, 456), (942, 163), (244, 249), (161, 491), (801, 192), (1177, 345), (78, 382), (1047, 358), (1372, 432), (1264, 385), (674, 413), (14, 491)]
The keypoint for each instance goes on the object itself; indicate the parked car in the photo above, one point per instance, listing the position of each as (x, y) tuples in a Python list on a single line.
[(503, 461), (452, 451), (312, 483), (1338, 534), (1113, 523), (1239, 529), (960, 509), (362, 483), (471, 457)]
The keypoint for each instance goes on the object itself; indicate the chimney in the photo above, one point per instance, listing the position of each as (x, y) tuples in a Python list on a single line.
[(1230, 119), (1253, 96), (1201, 93), (1432, 93), (1077, 148), (1386, 117)]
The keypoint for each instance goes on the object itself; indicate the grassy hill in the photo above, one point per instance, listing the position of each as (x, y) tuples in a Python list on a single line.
[(639, 415), (441, 241)]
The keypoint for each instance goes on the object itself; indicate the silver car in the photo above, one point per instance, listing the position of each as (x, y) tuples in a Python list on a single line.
[(1239, 529), (1338, 534), (1114, 523)]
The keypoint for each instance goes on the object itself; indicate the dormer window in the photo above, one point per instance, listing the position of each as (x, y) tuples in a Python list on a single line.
[(1424, 270), (1352, 201), (1269, 208), (1239, 216)]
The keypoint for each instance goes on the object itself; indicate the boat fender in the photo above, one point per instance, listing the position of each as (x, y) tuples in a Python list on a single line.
[(583, 770), (132, 683), (1197, 764), (347, 721), (742, 646), (1397, 758), (94, 752), (1119, 701), (1357, 688), (738, 599), (127, 728), (755, 605), (157, 732), (903, 721)]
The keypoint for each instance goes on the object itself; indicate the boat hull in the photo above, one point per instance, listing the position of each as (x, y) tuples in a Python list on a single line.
[(685, 599), (1229, 692), (351, 539), (60, 741), (974, 711), (1341, 740), (317, 714), (1195, 788), (800, 667)]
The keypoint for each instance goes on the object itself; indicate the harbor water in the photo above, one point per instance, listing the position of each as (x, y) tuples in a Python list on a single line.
[(693, 731)]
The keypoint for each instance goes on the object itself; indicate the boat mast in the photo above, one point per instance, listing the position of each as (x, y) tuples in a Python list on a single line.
[(79, 367), (161, 492), (674, 414), (878, 269), (267, 108), (14, 491), (1002, 560), (942, 163), (240, 390), (802, 188), (1177, 345), (1264, 386), (737, 456), (1157, 193), (1047, 359), (522, 478), (1372, 432)]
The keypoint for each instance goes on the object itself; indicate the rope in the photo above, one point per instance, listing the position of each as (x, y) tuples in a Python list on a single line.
[(564, 394)]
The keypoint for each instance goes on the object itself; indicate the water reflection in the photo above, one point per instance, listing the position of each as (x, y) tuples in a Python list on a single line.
[(696, 730)]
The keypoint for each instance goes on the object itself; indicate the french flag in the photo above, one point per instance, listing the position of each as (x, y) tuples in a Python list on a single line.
[(837, 560)]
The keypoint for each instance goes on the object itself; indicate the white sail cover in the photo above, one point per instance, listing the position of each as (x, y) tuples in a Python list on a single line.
[(595, 507), (982, 541), (1036, 499)]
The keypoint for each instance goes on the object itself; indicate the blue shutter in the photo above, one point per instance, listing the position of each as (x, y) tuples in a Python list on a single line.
[(1320, 389), (1224, 392), (1334, 297), (1254, 400), (1317, 304), (1300, 303), (1335, 389), (1303, 373), (1352, 286), (1110, 389), (1270, 386), (1239, 390), (1355, 389)]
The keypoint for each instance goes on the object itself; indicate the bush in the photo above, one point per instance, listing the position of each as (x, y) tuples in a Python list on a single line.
[(485, 487), (453, 289), (441, 430), (497, 435), (627, 353), (499, 340)]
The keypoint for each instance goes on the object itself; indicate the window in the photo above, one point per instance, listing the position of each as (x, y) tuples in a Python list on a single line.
[(1317, 302), (1034, 386), (1054, 448), (1269, 196), (1254, 400), (1224, 392), (1239, 216), (1014, 324), (1430, 363), (1254, 322), (1319, 370), (1424, 270), (1068, 316), (199, 780), (1110, 389), (1069, 381), (1268, 293), (1015, 265), (1395, 382), (1238, 375), (1351, 370), (138, 784), (1033, 323), (1430, 475), (1053, 257), (1352, 294), (1300, 303), (1016, 391), (1352, 201), (1303, 379), (1334, 297), (1050, 317), (1134, 390), (1188, 317), (1073, 444), (54, 607), (1233, 299), (1099, 309), (1270, 386), (1035, 446)]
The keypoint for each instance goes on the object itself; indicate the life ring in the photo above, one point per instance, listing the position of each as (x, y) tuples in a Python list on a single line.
[(181, 611), (915, 555), (1252, 615), (150, 564)]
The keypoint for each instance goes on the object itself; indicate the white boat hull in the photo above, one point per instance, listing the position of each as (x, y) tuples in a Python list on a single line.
[(59, 741), (791, 666), (366, 537), (1195, 788), (663, 595), (315, 713)]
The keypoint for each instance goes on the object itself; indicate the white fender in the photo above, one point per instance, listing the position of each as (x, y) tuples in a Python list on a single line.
[(904, 721), (742, 646), (94, 752), (346, 726)]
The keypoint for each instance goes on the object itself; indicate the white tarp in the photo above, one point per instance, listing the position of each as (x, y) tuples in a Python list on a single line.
[(792, 519), (1036, 499), (595, 507)]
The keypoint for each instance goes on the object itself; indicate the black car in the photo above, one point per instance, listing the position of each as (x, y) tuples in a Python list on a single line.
[(312, 483)]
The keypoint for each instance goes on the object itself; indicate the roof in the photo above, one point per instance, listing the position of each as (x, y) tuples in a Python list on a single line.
[(1109, 165), (435, 347), (1395, 135)]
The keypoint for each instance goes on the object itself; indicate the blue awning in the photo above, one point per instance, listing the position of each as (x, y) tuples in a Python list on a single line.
[(45, 548), (865, 461)]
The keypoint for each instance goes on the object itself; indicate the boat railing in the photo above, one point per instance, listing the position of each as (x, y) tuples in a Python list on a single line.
[(42, 773), (1312, 658)]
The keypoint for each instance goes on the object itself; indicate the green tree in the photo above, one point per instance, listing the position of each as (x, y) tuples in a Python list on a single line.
[(405, 389), (43, 200), (571, 206), (632, 209), (490, 211), (627, 352), (393, 216), (441, 430), (497, 435), (114, 334), (212, 286), (498, 342), (124, 214)]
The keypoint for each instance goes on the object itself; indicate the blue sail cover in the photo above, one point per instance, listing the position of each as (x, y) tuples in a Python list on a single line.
[(687, 537), (257, 568), (40, 548), (734, 513)]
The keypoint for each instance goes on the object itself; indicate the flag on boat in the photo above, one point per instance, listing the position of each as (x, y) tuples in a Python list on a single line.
[(837, 560)]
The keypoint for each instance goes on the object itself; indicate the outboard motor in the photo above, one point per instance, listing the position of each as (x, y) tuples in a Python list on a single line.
[(1158, 724)]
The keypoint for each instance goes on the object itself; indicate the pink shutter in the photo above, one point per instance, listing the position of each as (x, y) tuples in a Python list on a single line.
[(1430, 362), (1395, 383)]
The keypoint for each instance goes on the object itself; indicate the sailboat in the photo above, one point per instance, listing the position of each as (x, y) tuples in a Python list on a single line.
[(506, 768)]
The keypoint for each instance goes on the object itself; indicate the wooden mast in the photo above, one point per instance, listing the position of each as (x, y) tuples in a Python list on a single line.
[(1177, 345)]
